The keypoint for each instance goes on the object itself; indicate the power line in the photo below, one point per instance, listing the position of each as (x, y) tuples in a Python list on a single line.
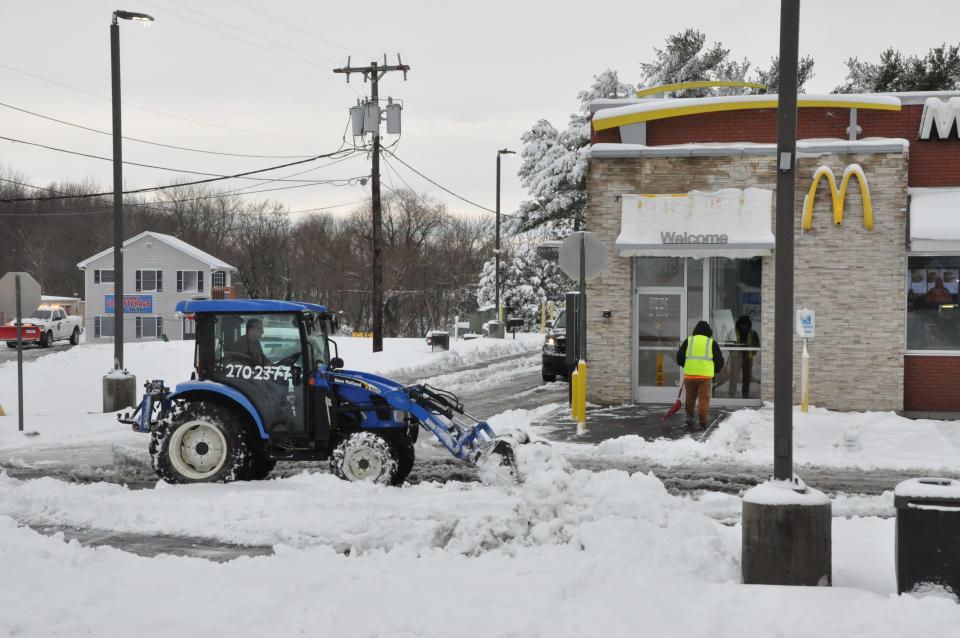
[(238, 38), (136, 139), (444, 188), (153, 166), (296, 28), (179, 185), (248, 32), (164, 114)]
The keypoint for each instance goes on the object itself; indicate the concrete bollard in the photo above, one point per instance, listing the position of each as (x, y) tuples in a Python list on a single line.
[(786, 535), (119, 391)]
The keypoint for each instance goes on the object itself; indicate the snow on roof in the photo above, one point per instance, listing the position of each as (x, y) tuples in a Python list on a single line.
[(675, 107), (729, 222), (934, 219), (705, 149), (172, 241)]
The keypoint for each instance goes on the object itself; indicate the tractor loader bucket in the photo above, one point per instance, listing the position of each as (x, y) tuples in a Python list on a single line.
[(501, 452)]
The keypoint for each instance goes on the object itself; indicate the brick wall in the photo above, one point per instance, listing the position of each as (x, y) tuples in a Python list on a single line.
[(930, 383), (933, 162), (851, 277)]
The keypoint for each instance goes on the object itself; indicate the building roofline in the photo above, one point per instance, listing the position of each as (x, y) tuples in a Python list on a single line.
[(171, 241)]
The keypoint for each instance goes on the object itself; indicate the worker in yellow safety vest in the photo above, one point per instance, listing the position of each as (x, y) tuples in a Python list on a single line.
[(701, 358)]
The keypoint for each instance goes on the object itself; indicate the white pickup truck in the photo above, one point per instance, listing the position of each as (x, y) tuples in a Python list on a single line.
[(46, 325)]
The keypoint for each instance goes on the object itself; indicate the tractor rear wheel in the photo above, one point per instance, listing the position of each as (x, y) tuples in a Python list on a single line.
[(364, 456), (199, 442)]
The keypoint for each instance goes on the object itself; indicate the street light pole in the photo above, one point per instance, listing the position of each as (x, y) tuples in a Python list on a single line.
[(119, 387), (496, 275), (118, 183)]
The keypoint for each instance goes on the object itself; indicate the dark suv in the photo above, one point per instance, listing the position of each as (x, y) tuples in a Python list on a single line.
[(555, 351)]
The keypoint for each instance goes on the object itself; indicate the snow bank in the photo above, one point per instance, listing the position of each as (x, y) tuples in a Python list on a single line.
[(821, 437)]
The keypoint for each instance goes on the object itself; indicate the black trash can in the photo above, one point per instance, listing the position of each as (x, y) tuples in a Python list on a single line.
[(439, 341), (928, 534)]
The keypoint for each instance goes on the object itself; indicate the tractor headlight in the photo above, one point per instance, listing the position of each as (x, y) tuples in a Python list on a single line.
[(550, 343), (399, 416)]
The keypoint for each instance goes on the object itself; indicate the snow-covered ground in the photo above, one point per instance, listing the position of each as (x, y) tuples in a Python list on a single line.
[(822, 437), (567, 553)]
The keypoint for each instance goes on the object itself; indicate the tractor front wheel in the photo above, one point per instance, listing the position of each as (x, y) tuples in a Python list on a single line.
[(364, 456), (199, 442)]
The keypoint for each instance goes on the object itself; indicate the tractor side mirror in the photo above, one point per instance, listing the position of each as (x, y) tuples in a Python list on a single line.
[(550, 324), (336, 363)]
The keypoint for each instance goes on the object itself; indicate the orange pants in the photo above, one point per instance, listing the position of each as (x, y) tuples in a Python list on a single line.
[(698, 389)]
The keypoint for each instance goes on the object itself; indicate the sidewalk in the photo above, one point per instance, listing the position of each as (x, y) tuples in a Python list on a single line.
[(610, 422)]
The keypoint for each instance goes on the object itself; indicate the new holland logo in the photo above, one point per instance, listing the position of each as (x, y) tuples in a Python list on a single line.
[(939, 115), (838, 195)]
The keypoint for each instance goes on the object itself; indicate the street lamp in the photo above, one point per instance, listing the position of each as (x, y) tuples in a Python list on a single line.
[(118, 392), (496, 276)]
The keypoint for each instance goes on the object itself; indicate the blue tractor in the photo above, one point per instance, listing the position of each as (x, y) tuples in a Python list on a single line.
[(268, 386)]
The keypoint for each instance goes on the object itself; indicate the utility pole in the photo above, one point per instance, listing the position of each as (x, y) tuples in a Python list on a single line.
[(496, 276), (374, 72)]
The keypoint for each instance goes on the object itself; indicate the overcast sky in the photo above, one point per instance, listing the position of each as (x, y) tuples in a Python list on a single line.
[(482, 73)]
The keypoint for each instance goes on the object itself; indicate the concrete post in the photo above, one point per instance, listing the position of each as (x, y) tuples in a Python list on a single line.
[(119, 391), (786, 535)]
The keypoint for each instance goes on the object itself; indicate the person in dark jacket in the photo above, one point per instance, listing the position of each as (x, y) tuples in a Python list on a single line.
[(701, 359), (741, 361)]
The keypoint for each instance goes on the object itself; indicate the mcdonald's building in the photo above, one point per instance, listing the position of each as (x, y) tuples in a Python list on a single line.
[(681, 193)]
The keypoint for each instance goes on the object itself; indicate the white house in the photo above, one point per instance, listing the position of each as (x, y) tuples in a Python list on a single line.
[(159, 271)]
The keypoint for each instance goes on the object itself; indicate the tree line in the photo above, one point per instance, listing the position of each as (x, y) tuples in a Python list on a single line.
[(432, 258)]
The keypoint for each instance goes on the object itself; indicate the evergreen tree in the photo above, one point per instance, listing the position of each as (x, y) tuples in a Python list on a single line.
[(554, 167), (526, 282), (771, 75), (938, 70), (686, 57)]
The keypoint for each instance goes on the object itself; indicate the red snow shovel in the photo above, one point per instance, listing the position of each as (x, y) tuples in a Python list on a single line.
[(676, 405)]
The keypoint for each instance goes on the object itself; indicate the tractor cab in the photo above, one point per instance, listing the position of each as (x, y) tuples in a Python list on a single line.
[(267, 351)]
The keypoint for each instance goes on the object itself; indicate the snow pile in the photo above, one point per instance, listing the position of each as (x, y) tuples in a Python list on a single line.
[(886, 441)]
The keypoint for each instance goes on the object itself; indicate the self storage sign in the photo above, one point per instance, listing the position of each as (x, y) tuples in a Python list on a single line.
[(136, 304)]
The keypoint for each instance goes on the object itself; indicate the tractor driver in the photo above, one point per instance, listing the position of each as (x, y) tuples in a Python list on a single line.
[(249, 344)]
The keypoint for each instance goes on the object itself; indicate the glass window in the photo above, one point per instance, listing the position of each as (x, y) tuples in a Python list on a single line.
[(103, 276), (189, 281), (660, 271), (735, 299), (694, 294), (220, 279), (103, 326), (933, 306), (149, 280)]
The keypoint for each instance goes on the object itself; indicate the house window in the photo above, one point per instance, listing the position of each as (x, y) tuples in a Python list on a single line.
[(189, 281), (149, 327), (219, 279), (149, 281), (933, 303), (103, 276), (102, 326)]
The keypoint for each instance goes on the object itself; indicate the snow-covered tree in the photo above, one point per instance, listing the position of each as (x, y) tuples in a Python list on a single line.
[(554, 167), (526, 281), (686, 57), (771, 75), (938, 70)]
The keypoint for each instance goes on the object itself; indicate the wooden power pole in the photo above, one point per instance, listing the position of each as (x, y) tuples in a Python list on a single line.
[(374, 72)]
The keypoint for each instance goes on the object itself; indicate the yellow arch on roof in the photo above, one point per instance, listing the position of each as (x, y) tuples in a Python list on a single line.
[(676, 108), (698, 84), (838, 196)]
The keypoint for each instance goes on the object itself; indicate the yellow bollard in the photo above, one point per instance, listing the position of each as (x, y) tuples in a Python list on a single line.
[(574, 393), (2, 413), (805, 379), (581, 397), (543, 318)]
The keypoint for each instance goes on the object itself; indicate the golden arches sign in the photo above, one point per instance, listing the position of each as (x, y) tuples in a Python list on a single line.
[(838, 195)]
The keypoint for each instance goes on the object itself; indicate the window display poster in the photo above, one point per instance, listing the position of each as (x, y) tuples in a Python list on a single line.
[(918, 281), (951, 279)]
